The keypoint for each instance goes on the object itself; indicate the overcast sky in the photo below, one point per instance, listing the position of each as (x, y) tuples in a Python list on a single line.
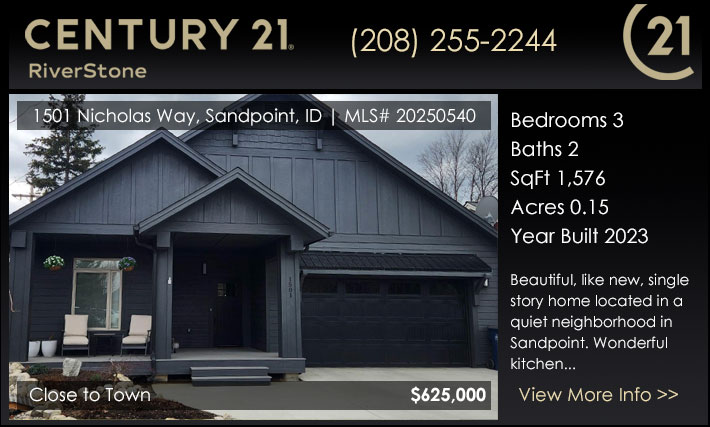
[(403, 145)]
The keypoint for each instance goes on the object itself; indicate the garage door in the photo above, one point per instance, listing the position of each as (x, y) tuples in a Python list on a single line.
[(374, 322)]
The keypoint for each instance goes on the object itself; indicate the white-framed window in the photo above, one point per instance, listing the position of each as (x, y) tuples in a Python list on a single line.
[(97, 291)]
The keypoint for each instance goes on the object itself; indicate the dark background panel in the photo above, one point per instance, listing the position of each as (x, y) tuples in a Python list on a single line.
[(656, 170)]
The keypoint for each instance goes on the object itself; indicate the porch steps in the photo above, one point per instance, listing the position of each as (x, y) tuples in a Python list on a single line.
[(230, 375)]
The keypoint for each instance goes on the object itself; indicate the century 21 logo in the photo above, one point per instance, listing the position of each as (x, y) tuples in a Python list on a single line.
[(659, 48)]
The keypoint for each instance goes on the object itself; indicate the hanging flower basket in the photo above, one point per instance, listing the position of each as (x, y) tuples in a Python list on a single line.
[(54, 263), (127, 263)]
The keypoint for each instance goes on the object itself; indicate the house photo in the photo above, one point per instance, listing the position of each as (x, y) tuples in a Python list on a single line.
[(225, 253)]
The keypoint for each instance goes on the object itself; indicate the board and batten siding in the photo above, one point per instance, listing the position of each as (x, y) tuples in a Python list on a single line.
[(340, 185), (51, 291), (368, 206), (132, 191), (233, 204)]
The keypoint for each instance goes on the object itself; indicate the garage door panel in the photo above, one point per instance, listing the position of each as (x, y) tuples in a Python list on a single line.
[(359, 307), (416, 355), (444, 332), (372, 330), (445, 309), (366, 354), (405, 308), (376, 308), (405, 333), (361, 330), (371, 323), (322, 306)]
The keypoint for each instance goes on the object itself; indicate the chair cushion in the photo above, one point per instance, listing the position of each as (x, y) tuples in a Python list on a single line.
[(75, 340), (75, 324), (140, 324), (135, 339)]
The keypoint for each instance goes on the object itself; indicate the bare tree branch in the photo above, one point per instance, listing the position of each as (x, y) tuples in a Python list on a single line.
[(455, 143), (456, 164), (482, 166), (433, 160)]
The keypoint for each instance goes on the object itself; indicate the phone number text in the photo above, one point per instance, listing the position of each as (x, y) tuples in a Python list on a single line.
[(454, 40)]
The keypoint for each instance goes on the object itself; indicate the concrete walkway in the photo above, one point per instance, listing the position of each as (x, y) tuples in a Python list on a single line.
[(192, 396)]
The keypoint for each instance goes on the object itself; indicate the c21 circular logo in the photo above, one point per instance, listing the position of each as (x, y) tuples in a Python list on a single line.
[(660, 48)]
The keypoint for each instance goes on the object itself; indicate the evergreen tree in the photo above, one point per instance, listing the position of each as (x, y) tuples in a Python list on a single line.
[(67, 152)]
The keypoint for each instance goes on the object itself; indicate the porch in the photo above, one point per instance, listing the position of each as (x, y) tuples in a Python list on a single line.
[(220, 297), (182, 361), (227, 299)]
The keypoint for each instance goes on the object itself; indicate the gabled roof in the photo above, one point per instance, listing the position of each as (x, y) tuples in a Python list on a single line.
[(148, 140), (375, 150), (237, 174)]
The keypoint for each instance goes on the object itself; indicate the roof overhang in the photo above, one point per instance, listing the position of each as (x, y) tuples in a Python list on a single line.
[(395, 273), (394, 265)]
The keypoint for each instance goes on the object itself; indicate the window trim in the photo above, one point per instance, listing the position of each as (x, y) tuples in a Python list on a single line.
[(108, 272), (364, 283), (404, 283), (330, 281)]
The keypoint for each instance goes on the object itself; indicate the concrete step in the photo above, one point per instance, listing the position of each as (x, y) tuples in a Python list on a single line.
[(229, 371), (231, 380)]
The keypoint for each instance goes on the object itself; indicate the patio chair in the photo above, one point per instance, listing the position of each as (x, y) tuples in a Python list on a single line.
[(75, 333), (138, 337)]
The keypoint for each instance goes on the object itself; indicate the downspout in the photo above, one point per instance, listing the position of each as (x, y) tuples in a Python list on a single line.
[(153, 369)]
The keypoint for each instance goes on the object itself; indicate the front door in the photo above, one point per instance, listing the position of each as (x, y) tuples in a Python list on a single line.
[(228, 315)]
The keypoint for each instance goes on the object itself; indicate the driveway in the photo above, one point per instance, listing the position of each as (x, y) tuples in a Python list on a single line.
[(400, 374), (196, 397)]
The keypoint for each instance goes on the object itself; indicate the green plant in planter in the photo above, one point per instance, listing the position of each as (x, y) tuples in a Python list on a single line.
[(54, 262), (127, 263), (38, 369)]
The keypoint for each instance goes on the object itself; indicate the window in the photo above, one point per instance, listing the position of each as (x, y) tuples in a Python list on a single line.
[(320, 286), (97, 292), (362, 287), (443, 289), (399, 288)]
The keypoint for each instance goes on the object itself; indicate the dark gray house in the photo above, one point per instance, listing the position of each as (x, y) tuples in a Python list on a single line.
[(277, 249)]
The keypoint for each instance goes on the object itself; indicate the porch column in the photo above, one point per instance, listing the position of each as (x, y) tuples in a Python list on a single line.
[(21, 256), (163, 316), (290, 332)]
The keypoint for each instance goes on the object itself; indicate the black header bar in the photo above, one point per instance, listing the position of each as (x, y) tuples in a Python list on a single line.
[(484, 46)]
